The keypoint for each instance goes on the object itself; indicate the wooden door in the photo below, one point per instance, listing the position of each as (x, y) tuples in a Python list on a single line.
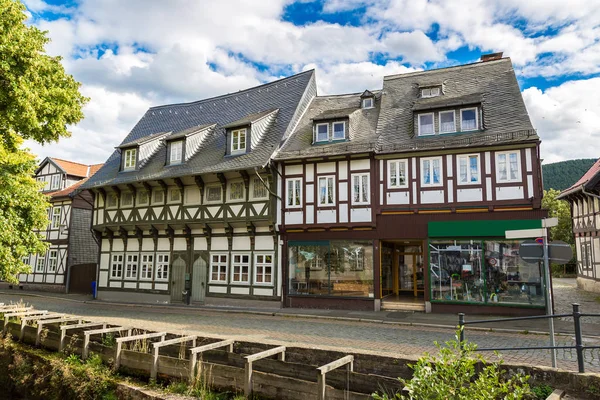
[(178, 278), (199, 279)]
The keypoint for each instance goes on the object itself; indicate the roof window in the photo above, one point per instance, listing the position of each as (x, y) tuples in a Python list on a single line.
[(430, 92)]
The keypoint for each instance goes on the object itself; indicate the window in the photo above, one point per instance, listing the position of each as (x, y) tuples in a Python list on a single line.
[(55, 182), (367, 103), (55, 217), (360, 189), (397, 173), (174, 195), (259, 189), (52, 260), (426, 124), (447, 124), (586, 256), (159, 196), (468, 119), (468, 169), (357, 259), (213, 194), (127, 199), (339, 130), (507, 167), (162, 267), (111, 200), (116, 266), (322, 132), (218, 268), (39, 265), (147, 266), (238, 141), (131, 266), (240, 268), (236, 191), (430, 92), (431, 171), (142, 197), (176, 152), (263, 269), (326, 191), (294, 192), (130, 156)]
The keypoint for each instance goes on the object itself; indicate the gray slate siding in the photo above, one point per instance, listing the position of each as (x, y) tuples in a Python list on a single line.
[(82, 246)]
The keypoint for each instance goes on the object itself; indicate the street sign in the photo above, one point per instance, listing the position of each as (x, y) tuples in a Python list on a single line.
[(559, 252), (524, 233), (531, 251)]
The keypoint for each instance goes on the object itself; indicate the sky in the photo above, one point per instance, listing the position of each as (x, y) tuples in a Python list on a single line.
[(134, 54)]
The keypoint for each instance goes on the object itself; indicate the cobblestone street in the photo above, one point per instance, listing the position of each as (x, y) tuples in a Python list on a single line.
[(566, 293), (341, 335)]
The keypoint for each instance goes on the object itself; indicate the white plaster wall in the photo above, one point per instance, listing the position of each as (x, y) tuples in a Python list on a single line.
[(466, 195), (310, 214), (509, 193), (263, 243), (179, 244), (343, 213), (217, 289), (360, 215), (163, 244), (432, 196), (240, 290), (293, 217), (240, 243), (326, 216), (323, 168), (310, 172), (293, 169), (343, 191), (343, 169), (262, 292), (360, 164), (219, 243), (397, 198)]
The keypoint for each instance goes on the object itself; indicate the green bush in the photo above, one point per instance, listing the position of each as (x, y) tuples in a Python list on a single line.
[(541, 392), (460, 374)]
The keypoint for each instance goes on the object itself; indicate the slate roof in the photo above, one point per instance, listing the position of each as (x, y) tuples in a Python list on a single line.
[(362, 125), (186, 132), (289, 95), (589, 180), (248, 119), (491, 83)]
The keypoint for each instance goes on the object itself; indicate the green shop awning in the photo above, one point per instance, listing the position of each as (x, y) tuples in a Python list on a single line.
[(494, 228)]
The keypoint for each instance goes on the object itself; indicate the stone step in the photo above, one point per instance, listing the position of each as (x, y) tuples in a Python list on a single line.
[(395, 306)]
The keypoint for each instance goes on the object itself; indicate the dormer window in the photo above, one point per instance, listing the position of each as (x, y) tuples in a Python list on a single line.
[(176, 152), (468, 119), (430, 92), (426, 126), (330, 131), (367, 102), (339, 131), (238, 141), (129, 159)]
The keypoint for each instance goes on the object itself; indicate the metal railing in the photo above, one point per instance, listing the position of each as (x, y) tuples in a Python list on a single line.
[(579, 347)]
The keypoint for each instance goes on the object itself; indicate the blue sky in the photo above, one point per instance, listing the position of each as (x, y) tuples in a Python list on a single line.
[(130, 55)]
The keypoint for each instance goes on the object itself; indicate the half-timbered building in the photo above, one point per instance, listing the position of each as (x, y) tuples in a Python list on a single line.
[(400, 198), (584, 198), (69, 264), (186, 206)]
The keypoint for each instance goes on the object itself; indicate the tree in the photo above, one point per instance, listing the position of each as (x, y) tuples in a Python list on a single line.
[(23, 209), (37, 98), (561, 210)]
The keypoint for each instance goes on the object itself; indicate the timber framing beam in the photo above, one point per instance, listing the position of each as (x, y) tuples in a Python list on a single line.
[(156, 348), (280, 351), (322, 371), (199, 350), (179, 184)]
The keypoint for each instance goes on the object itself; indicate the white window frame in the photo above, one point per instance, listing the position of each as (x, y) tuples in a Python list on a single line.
[(467, 157), (55, 182), (333, 125), (162, 267), (155, 193), (296, 192), (368, 103), (139, 198), (241, 265), (174, 190), (476, 119), (42, 258), (146, 266), (451, 112), (207, 190), (219, 264), (132, 264), (230, 191), (130, 159), (317, 133), (52, 256), (112, 195), (116, 273), (176, 152), (238, 142), (432, 121), (361, 193), (263, 265), (398, 164), (123, 205), (327, 204), (507, 155), (427, 92), (359, 255), (257, 182), (56, 217), (432, 184)]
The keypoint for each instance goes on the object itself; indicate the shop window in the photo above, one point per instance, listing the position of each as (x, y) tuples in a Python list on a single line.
[(331, 268)]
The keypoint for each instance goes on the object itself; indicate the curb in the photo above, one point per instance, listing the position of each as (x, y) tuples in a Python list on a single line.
[(292, 315)]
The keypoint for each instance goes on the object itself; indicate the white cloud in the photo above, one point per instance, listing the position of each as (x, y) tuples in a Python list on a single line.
[(414, 47), (567, 119)]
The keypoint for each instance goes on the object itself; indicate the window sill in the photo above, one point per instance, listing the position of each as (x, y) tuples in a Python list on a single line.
[(333, 141)]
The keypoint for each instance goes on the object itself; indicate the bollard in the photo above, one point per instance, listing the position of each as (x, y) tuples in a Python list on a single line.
[(461, 328), (578, 338)]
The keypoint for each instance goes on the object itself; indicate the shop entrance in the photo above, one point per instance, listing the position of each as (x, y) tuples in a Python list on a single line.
[(402, 275)]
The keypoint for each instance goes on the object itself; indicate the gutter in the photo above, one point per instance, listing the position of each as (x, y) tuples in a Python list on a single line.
[(588, 193)]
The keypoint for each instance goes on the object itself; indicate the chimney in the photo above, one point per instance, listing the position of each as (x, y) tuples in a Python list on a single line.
[(491, 57)]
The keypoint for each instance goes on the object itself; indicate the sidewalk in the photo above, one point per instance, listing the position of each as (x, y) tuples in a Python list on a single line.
[(449, 321)]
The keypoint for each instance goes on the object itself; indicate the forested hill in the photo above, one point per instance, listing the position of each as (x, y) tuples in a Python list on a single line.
[(562, 175)]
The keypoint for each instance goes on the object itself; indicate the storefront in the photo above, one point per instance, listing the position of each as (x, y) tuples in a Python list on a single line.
[(473, 269)]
